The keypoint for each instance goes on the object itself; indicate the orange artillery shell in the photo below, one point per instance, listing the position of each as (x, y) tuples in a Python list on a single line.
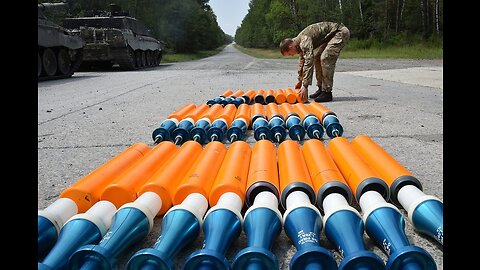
[(212, 112), (291, 96), (123, 189), (232, 176), (227, 93), (302, 110), (251, 95), (87, 191), (202, 173), (263, 171), (180, 113), (270, 96), (237, 93), (299, 99), (197, 112), (359, 176), (243, 112), (293, 171), (260, 96), (273, 110), (257, 110), (228, 113), (166, 179), (287, 110), (325, 175), (280, 96), (320, 110), (395, 175)]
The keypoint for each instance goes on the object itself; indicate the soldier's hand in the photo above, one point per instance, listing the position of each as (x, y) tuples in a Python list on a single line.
[(298, 85), (303, 94)]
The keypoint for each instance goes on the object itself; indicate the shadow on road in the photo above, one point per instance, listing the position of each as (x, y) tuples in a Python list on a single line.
[(356, 98)]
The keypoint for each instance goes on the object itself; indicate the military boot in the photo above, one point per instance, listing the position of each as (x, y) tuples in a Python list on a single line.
[(324, 97), (316, 94)]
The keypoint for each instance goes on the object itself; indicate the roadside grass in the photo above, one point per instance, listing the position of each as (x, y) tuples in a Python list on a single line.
[(402, 45), (406, 48), (408, 52), (263, 53), (367, 49), (415, 51), (169, 57)]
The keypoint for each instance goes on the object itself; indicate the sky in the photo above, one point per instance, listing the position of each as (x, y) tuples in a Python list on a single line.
[(230, 13)]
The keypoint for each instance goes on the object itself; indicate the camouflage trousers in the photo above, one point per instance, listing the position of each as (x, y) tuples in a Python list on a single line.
[(325, 58)]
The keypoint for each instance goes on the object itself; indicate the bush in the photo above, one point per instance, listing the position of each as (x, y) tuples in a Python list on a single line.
[(398, 40)]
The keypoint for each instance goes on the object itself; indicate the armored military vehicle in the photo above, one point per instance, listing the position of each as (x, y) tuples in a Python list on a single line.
[(59, 49), (116, 39)]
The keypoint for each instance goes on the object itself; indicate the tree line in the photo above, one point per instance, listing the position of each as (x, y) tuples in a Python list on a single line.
[(270, 21), (185, 26), (191, 25)]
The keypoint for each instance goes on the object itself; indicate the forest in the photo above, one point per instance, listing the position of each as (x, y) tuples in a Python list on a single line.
[(270, 21), (187, 26)]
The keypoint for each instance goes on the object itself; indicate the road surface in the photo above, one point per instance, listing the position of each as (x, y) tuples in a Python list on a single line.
[(85, 120)]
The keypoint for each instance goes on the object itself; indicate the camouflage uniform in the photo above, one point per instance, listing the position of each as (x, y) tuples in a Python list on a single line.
[(319, 46)]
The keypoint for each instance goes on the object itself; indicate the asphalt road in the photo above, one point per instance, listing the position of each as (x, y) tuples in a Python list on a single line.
[(85, 120)]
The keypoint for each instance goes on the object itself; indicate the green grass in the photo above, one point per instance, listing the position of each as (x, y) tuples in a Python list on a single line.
[(401, 46), (368, 49), (410, 52), (182, 57), (406, 48), (263, 53)]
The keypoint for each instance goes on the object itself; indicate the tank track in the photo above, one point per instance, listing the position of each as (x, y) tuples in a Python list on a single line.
[(125, 59), (73, 68)]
